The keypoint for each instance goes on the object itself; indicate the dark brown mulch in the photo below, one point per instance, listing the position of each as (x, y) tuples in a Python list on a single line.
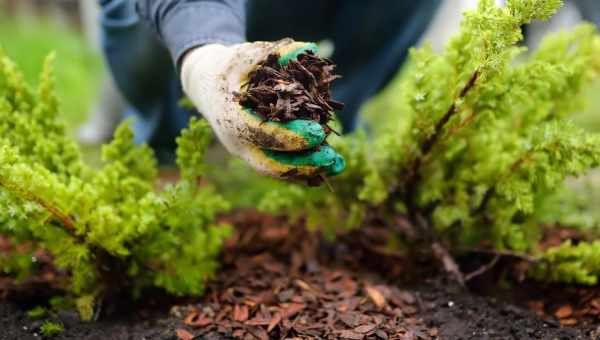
[(280, 282), (277, 284), (297, 90)]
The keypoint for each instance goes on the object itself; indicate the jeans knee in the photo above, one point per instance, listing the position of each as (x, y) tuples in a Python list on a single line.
[(116, 14)]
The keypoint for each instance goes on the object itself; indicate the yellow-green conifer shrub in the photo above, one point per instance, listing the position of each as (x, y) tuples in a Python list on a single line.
[(485, 137), (109, 228)]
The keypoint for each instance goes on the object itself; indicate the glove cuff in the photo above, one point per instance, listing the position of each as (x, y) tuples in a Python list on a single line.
[(200, 69)]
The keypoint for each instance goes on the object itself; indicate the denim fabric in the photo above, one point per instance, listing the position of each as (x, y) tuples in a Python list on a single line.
[(183, 24), (371, 40), (589, 9), (143, 71)]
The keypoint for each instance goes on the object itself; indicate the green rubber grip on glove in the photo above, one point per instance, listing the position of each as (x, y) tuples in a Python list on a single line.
[(325, 158), (285, 59)]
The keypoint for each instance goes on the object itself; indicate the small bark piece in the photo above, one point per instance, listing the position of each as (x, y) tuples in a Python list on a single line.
[(376, 296), (182, 334), (564, 312)]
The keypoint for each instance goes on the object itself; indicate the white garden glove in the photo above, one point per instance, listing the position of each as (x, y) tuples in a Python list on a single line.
[(212, 75)]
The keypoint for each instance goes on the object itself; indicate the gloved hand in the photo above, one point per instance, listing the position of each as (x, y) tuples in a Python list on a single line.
[(213, 74)]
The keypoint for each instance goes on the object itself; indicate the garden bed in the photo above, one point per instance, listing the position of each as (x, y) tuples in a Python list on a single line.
[(278, 281)]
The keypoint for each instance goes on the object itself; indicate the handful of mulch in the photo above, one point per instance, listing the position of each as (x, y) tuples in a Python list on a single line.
[(298, 90)]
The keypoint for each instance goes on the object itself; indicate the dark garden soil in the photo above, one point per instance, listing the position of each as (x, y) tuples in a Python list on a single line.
[(280, 282)]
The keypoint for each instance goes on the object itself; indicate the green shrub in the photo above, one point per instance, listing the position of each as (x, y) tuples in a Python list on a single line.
[(483, 139), (108, 228), (37, 312), (50, 328)]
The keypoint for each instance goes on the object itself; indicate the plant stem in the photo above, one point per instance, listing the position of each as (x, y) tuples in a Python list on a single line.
[(483, 269), (430, 142), (63, 218), (439, 126), (491, 191)]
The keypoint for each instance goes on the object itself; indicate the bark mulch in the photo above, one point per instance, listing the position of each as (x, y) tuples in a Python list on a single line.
[(279, 281), (297, 90), (274, 286)]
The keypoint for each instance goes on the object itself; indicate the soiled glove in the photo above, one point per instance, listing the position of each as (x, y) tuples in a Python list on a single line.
[(213, 74)]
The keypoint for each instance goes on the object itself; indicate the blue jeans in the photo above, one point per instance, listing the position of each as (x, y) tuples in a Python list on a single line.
[(590, 10), (371, 41)]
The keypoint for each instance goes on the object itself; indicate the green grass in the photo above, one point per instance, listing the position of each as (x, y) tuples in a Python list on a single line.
[(78, 70)]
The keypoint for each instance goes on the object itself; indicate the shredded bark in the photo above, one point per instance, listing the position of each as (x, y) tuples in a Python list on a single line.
[(273, 286), (298, 90)]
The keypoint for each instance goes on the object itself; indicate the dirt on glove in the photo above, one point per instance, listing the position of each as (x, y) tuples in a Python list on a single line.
[(299, 89)]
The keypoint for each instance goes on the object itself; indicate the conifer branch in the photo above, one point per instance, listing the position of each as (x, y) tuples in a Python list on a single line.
[(452, 110), (491, 191), (430, 142), (60, 216)]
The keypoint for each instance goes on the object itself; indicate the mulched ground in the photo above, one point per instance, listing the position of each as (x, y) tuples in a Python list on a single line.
[(280, 282)]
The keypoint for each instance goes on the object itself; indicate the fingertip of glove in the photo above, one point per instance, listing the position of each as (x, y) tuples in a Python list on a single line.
[(312, 132), (328, 159), (292, 51), (338, 166)]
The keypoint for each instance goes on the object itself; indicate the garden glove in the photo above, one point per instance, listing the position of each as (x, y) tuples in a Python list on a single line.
[(212, 76)]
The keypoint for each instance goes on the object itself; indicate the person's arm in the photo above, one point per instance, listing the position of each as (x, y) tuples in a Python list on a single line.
[(185, 24), (205, 39)]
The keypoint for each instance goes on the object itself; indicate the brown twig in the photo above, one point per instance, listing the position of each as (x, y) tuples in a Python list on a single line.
[(451, 267), (439, 126), (483, 269), (454, 130), (487, 197), (491, 191), (426, 147), (502, 253), (328, 183), (287, 331)]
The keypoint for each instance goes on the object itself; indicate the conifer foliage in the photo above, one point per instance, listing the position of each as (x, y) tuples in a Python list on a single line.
[(483, 138), (108, 228)]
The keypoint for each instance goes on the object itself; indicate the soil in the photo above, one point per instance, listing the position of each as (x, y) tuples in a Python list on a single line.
[(279, 281)]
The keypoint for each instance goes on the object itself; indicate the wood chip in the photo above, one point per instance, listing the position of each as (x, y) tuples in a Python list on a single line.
[(182, 334), (349, 334), (280, 288), (274, 322), (568, 322), (365, 328), (196, 319), (240, 313), (298, 90), (381, 334), (564, 312), (376, 296)]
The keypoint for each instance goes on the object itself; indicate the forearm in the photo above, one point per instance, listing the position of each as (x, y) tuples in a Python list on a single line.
[(185, 24)]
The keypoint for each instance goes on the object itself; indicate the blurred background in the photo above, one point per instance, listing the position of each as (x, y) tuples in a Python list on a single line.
[(31, 29), (91, 107)]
